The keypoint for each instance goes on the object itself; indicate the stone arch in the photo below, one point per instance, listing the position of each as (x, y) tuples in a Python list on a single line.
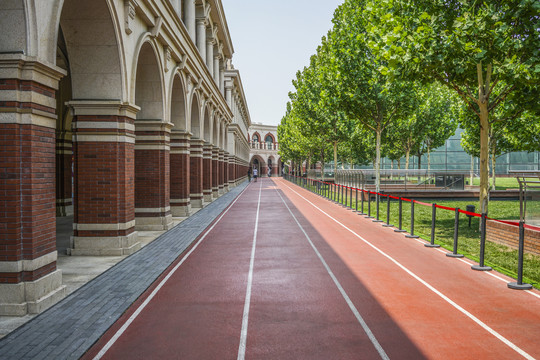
[(84, 41), (149, 83), (255, 136), (178, 103), (194, 122), (152, 134), (258, 162), (91, 38), (207, 130), (270, 136)]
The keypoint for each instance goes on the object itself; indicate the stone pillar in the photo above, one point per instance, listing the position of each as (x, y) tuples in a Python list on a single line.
[(222, 78), (201, 37), (104, 148), (210, 55), (215, 172), (29, 279), (189, 18), (217, 71), (180, 173), (221, 165), (64, 154), (196, 173), (207, 172), (152, 175)]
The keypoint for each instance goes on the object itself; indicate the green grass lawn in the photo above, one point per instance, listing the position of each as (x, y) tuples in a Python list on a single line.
[(501, 183), (499, 257)]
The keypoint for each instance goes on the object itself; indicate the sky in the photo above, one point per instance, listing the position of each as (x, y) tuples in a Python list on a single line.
[(272, 40)]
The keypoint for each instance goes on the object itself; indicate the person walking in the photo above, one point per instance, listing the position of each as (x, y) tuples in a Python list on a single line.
[(249, 174), (255, 173)]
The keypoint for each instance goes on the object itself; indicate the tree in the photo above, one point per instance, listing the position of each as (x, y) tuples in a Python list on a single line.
[(493, 47), (366, 95)]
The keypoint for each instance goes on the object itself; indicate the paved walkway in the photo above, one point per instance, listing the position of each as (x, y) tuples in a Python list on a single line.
[(286, 274), (68, 329)]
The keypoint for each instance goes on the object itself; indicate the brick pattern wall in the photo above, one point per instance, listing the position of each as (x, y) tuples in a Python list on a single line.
[(196, 171), (509, 235), (215, 169), (27, 192), (104, 179), (207, 170)]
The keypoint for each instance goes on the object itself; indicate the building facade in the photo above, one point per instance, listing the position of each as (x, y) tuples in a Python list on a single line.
[(264, 145), (121, 113)]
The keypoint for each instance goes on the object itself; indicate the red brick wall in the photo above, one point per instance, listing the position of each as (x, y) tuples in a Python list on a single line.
[(27, 196), (509, 235), (104, 185), (63, 172), (215, 172), (207, 174), (196, 176), (180, 179)]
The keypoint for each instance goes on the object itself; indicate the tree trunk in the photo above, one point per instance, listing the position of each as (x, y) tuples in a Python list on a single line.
[(428, 160), (407, 156), (484, 155)]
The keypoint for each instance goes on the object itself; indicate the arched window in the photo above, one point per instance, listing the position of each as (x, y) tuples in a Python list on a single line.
[(269, 141), (255, 138)]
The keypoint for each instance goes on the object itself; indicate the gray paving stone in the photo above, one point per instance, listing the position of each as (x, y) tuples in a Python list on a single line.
[(68, 329)]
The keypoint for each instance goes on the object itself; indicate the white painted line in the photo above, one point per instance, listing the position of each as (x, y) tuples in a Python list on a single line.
[(245, 317), (426, 284), (141, 307), (353, 308)]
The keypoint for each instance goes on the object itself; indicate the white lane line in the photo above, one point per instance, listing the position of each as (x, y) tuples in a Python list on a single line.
[(426, 284), (353, 308), (245, 317), (141, 307)]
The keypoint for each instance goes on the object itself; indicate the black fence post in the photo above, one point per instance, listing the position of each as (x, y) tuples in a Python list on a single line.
[(433, 220), (519, 285), (369, 206), (411, 234), (377, 196), (456, 232), (388, 212), (362, 203), (480, 266), (400, 216), (356, 198)]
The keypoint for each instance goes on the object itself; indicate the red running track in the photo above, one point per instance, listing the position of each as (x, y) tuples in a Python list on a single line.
[(321, 282)]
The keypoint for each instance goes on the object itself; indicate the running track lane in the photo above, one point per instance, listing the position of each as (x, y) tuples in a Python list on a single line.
[(296, 310)]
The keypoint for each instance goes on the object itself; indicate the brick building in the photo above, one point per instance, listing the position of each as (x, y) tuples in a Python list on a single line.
[(263, 141), (120, 113)]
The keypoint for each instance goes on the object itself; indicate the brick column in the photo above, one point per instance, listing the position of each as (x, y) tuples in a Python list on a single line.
[(64, 153), (225, 172), (152, 175), (232, 171), (215, 172), (196, 173), (104, 148), (221, 179), (180, 162), (29, 279), (207, 172)]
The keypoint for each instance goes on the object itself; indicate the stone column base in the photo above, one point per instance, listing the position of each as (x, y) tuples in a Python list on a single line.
[(157, 223), (197, 201), (208, 198), (180, 207), (31, 297), (104, 246), (215, 193)]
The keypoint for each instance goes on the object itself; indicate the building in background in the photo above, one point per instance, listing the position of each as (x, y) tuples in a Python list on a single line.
[(264, 147)]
